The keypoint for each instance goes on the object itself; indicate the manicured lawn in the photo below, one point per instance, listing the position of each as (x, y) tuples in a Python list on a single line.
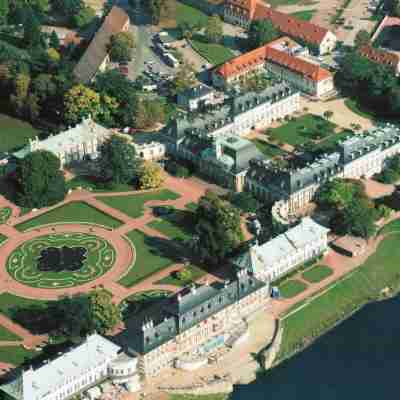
[(151, 256), (196, 273), (393, 226), (177, 225), (78, 212), (92, 184), (304, 15), (186, 14), (381, 270), (15, 355), (6, 335), (5, 214), (3, 238), (14, 133), (297, 131), (133, 205), (270, 150), (215, 54), (331, 141), (317, 273), (292, 288), (9, 302)]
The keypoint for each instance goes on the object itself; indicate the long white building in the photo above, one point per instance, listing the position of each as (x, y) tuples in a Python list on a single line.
[(278, 256), (77, 143), (75, 371)]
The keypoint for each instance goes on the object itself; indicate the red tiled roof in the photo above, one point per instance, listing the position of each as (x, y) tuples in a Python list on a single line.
[(380, 56), (291, 26), (258, 56)]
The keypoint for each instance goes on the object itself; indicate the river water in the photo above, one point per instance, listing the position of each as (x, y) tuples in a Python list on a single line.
[(359, 359)]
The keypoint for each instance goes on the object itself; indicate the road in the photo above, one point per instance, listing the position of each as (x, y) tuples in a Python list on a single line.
[(141, 28)]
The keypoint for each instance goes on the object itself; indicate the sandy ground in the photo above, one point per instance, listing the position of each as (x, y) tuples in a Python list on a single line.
[(342, 116)]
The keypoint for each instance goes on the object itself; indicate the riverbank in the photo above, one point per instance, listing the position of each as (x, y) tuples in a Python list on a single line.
[(377, 277)]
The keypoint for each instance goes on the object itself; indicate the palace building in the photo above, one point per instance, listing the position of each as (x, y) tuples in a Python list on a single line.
[(184, 329), (243, 12), (75, 144), (275, 258), (75, 371), (356, 157), (282, 58)]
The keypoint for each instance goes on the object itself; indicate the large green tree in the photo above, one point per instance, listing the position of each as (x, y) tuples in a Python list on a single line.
[(104, 314), (218, 227), (41, 182), (4, 11), (83, 18), (117, 160), (362, 38), (260, 33), (121, 46)]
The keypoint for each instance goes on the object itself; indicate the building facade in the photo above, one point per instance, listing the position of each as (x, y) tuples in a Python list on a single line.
[(282, 58), (195, 97), (73, 372), (152, 151), (185, 328), (275, 258), (360, 156), (243, 12), (75, 144)]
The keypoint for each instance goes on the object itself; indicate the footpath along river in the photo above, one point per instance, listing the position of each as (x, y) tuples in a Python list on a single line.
[(359, 359)]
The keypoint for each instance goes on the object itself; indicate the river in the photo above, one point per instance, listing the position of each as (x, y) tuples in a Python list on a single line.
[(359, 359)]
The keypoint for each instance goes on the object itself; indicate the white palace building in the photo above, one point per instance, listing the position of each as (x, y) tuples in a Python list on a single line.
[(75, 144), (275, 258), (76, 371)]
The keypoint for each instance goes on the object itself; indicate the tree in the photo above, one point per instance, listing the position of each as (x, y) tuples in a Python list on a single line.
[(214, 32), (54, 55), (184, 78), (83, 18), (21, 90), (32, 31), (218, 227), (162, 10), (121, 46), (4, 11), (328, 115), (244, 201), (41, 182), (80, 102), (104, 314), (54, 41), (68, 7), (362, 38), (150, 176), (260, 33), (117, 160), (32, 107), (44, 87)]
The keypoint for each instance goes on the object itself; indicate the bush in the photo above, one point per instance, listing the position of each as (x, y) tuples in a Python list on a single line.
[(177, 170), (183, 275)]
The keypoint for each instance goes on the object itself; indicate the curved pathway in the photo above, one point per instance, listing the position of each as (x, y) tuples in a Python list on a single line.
[(189, 191)]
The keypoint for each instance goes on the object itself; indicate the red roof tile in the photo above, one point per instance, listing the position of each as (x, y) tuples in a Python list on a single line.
[(380, 56), (250, 60)]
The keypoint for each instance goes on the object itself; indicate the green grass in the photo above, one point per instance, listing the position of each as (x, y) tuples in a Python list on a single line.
[(92, 184), (6, 335), (331, 141), (196, 273), (186, 14), (15, 355), (5, 214), (9, 301), (151, 257), (270, 150), (292, 288), (14, 133), (215, 54), (291, 132), (381, 270), (357, 109), (317, 273), (177, 225), (305, 15), (78, 212), (3, 238), (391, 227), (133, 205)]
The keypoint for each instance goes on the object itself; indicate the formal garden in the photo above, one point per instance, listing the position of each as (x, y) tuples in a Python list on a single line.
[(61, 260), (291, 288), (317, 274)]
